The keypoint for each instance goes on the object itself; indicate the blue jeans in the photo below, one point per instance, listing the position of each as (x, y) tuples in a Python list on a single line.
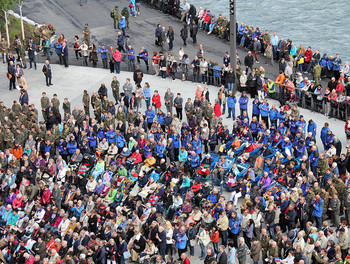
[(203, 251), (318, 222), (272, 231), (230, 86), (274, 51), (242, 41), (117, 67), (229, 111), (133, 11), (211, 27), (191, 250), (148, 102), (223, 108)]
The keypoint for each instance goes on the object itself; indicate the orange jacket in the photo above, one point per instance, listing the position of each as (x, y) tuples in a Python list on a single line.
[(17, 151), (280, 79)]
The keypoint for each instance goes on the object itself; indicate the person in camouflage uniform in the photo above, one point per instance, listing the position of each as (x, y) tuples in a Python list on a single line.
[(264, 243), (222, 28), (97, 109), (115, 16), (86, 103), (115, 89), (94, 97), (218, 24), (45, 103), (317, 73), (125, 13)]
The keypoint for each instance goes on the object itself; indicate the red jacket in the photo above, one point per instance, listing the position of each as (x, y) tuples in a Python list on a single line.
[(46, 198), (217, 110), (186, 261), (308, 55), (156, 101)]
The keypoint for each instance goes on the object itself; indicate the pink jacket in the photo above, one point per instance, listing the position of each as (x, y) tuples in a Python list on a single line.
[(117, 56)]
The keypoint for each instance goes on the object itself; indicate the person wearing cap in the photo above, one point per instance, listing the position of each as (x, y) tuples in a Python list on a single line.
[(115, 16)]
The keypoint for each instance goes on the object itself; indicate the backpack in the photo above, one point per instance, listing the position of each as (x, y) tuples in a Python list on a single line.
[(112, 14)]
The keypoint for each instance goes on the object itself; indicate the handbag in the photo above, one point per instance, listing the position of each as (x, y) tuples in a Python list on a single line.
[(130, 5), (9, 75), (126, 254), (167, 40)]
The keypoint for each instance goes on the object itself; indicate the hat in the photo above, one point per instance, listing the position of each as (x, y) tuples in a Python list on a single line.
[(74, 218), (295, 189), (301, 116), (86, 24), (244, 92), (116, 7)]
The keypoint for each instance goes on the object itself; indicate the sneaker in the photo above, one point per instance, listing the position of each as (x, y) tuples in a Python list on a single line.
[(257, 62), (30, 68), (209, 33)]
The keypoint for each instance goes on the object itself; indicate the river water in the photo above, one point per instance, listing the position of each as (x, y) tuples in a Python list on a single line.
[(322, 24)]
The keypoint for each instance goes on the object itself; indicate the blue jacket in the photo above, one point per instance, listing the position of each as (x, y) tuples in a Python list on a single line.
[(256, 109), (301, 124), (330, 64), (231, 102), (329, 140), (313, 158), (61, 149), (254, 127), (312, 128), (273, 114), (131, 54), (103, 53), (72, 147), (336, 64), (318, 208), (144, 55), (122, 22), (111, 135), (150, 115), (181, 240), (264, 109), (120, 141), (120, 40), (324, 133), (234, 226), (197, 145), (243, 102), (216, 71), (58, 47), (323, 61), (176, 140), (194, 162), (161, 118), (159, 149), (146, 92)]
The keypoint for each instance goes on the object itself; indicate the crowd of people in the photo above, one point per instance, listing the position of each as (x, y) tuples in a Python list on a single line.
[(146, 178)]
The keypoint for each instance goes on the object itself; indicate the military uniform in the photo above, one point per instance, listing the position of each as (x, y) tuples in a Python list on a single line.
[(169, 102), (105, 105), (2, 137), (125, 13), (86, 103), (317, 73), (222, 29), (8, 138), (115, 89), (189, 109), (66, 107), (265, 246), (131, 118), (93, 100), (86, 38), (325, 198), (115, 16), (56, 103), (199, 114), (97, 109), (218, 25), (36, 37), (272, 252), (121, 116), (109, 122)]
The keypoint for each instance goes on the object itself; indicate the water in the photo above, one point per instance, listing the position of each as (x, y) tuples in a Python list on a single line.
[(321, 24)]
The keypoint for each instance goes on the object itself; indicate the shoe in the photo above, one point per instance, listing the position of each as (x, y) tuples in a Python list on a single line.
[(47, 85), (50, 83), (257, 62), (209, 33), (35, 68), (30, 68), (228, 117)]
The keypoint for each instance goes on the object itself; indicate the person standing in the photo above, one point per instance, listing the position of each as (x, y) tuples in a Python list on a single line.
[(170, 36), (65, 54), (169, 99), (122, 24), (86, 33), (184, 34), (103, 52), (110, 59), (117, 56), (86, 102), (115, 89), (178, 101), (11, 74), (194, 31), (115, 16), (47, 72), (31, 53), (248, 62)]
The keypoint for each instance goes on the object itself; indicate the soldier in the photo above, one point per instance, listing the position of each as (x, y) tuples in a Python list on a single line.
[(198, 112), (86, 103), (334, 207), (45, 102), (8, 138), (115, 16), (3, 49), (56, 102), (97, 108), (169, 101), (189, 108), (131, 117), (272, 252), (86, 33), (218, 24), (37, 37), (325, 197), (264, 244), (2, 137), (94, 97), (266, 39), (222, 29), (66, 106), (115, 89), (105, 104), (317, 72), (125, 13)]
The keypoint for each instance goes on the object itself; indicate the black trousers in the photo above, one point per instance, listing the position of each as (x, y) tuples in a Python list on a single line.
[(48, 79), (179, 113)]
